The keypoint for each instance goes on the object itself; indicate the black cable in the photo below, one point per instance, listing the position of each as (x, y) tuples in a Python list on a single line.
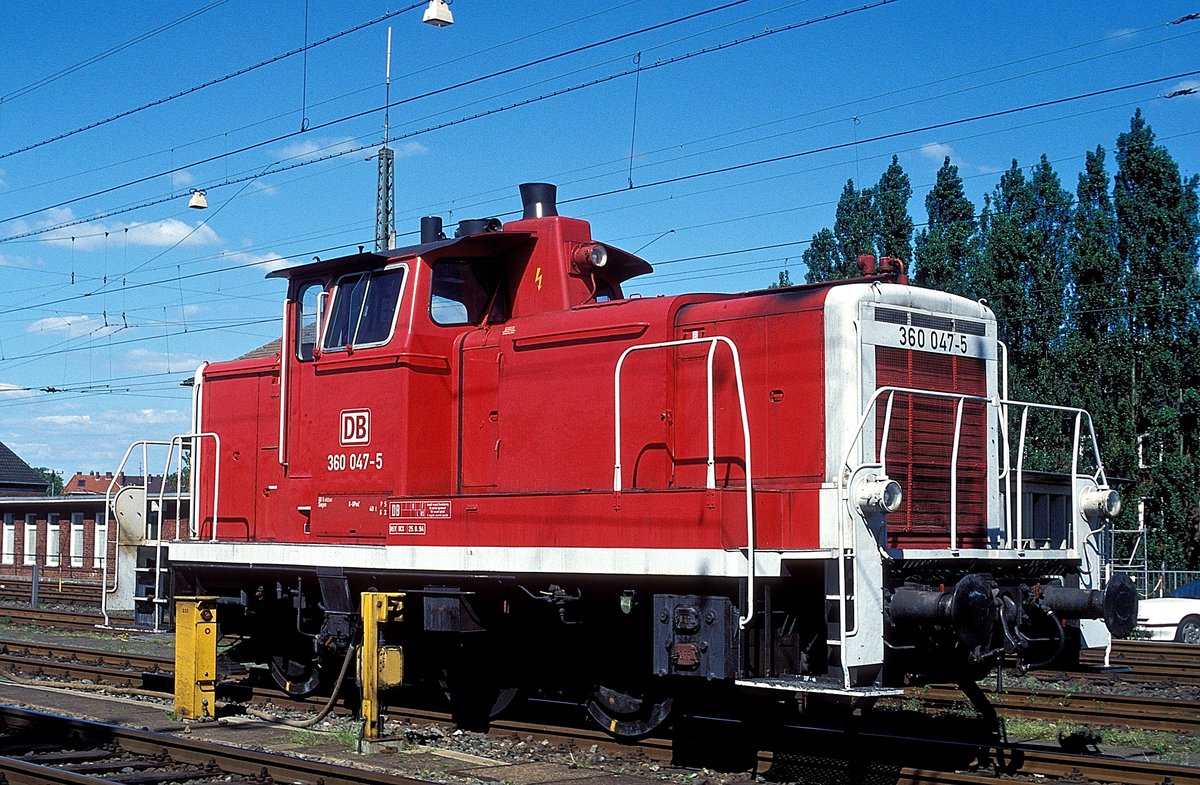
[(400, 102), (29, 88), (210, 83)]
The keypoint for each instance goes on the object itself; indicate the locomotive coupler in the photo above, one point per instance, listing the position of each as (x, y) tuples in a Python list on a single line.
[(969, 609), (1116, 604)]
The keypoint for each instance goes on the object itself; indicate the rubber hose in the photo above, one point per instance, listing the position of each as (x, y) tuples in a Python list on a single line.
[(323, 713)]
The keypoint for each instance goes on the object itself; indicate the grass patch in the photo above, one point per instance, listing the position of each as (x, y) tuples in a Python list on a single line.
[(1169, 747), (347, 736), (302, 737)]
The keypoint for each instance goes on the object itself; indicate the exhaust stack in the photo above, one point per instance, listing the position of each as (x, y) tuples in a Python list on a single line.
[(538, 199), (431, 229)]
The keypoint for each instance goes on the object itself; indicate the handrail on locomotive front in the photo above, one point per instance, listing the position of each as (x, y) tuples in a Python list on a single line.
[(711, 480), (1014, 534)]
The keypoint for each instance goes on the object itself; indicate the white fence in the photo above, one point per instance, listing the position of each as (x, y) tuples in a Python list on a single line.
[(1158, 583)]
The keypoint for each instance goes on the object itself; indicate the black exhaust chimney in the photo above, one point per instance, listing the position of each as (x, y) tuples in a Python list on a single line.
[(538, 199), (431, 229)]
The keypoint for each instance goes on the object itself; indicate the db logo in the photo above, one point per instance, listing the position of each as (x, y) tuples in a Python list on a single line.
[(356, 426)]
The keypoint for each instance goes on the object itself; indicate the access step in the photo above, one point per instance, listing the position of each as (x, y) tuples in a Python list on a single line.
[(818, 685)]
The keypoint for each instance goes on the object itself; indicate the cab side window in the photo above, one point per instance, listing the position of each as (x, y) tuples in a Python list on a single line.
[(306, 318), (364, 309), (465, 291)]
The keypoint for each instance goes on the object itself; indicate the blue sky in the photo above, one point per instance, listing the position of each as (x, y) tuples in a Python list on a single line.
[(118, 290)]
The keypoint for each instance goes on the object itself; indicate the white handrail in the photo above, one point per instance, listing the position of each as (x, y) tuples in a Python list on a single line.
[(711, 481), (954, 475), (1001, 405), (116, 530)]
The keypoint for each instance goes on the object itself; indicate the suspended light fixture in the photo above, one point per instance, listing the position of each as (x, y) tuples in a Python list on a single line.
[(198, 200), (438, 14)]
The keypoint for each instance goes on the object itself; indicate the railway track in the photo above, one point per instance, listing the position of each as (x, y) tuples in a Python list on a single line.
[(41, 748), (57, 592), (70, 661), (975, 764), (67, 620)]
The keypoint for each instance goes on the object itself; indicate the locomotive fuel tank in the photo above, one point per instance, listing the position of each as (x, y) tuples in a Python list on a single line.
[(819, 489)]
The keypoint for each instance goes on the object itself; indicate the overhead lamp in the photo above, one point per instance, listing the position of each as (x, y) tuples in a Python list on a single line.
[(198, 200), (438, 14)]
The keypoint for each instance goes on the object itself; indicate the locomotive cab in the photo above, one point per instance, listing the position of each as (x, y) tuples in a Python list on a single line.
[(818, 490)]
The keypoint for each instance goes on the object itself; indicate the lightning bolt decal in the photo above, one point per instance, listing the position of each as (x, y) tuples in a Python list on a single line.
[(538, 277)]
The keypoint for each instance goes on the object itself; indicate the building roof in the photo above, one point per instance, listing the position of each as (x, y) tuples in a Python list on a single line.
[(16, 475), (97, 483)]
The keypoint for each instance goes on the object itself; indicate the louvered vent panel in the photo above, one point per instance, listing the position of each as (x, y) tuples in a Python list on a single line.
[(921, 444)]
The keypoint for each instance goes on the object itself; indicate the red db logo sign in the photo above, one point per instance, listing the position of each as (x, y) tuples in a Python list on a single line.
[(356, 427)]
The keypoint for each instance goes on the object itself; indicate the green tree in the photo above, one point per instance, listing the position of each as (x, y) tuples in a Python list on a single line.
[(54, 480), (1001, 277), (785, 280), (1096, 371), (947, 249), (893, 224), (822, 257), (1156, 243), (854, 226)]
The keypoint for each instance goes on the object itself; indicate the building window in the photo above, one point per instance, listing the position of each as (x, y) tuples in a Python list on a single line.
[(30, 539), (76, 539), (52, 541), (100, 544), (10, 540)]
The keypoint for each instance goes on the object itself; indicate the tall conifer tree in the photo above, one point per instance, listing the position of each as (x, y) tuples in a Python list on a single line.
[(948, 247), (893, 224)]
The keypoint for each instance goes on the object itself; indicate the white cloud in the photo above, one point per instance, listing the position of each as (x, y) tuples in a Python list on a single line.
[(411, 150), (9, 392), (158, 362), (66, 420), (157, 417), (269, 261), (324, 145), (936, 151), (72, 324), (170, 231), (183, 179), (15, 261), (154, 234), (3, 182)]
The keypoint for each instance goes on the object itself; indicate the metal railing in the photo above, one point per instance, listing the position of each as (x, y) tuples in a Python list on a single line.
[(1014, 523), (711, 476), (154, 536)]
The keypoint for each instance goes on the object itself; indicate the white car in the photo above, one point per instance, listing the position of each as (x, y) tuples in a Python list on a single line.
[(1173, 618)]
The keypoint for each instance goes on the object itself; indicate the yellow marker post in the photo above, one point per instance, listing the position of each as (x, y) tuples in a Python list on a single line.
[(196, 657), (379, 666)]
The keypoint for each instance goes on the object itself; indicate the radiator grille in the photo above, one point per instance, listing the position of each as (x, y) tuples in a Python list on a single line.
[(921, 442)]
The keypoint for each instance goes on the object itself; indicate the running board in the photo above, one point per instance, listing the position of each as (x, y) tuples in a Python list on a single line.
[(817, 686)]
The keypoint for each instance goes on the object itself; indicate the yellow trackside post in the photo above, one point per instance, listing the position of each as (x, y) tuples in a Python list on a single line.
[(196, 657), (379, 666)]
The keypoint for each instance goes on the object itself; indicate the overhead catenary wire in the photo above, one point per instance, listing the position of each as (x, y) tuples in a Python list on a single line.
[(204, 85), (399, 137), (681, 178), (54, 77), (428, 94)]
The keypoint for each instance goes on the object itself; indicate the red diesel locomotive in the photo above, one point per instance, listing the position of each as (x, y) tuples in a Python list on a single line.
[(818, 489)]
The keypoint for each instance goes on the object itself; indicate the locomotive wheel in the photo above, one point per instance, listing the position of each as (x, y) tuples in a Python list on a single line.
[(298, 678), (475, 700), (628, 715), (476, 681)]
